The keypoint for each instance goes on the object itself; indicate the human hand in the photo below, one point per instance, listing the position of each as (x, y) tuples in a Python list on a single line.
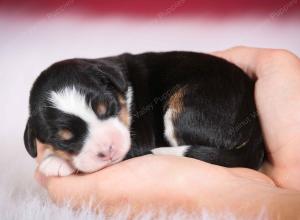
[(277, 96), (192, 184), (156, 182)]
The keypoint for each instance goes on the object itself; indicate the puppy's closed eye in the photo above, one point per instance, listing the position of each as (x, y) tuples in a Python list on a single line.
[(65, 134), (101, 109)]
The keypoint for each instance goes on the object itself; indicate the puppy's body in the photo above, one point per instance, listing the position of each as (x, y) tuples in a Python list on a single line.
[(201, 105), (174, 103)]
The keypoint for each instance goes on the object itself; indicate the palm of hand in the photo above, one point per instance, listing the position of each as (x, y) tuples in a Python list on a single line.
[(164, 180)]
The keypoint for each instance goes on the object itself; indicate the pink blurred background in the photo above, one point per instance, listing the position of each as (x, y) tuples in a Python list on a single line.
[(218, 8), (34, 34)]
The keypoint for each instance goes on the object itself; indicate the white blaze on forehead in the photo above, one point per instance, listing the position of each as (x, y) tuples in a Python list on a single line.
[(72, 101)]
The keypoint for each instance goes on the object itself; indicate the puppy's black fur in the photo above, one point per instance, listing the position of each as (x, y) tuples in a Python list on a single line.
[(217, 116)]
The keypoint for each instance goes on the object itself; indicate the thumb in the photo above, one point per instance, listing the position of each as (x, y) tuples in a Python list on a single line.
[(74, 189), (244, 57)]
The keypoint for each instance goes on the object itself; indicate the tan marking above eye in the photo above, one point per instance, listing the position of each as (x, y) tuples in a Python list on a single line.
[(101, 109), (124, 115), (63, 154), (122, 100), (65, 134)]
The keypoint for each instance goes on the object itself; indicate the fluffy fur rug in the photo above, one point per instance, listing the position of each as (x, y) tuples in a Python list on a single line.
[(22, 199)]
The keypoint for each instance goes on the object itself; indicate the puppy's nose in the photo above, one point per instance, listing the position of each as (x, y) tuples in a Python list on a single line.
[(107, 154)]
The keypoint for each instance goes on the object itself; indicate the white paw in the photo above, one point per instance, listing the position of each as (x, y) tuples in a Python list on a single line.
[(176, 151), (55, 166)]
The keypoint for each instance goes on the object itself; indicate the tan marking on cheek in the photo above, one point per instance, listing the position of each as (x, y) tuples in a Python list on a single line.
[(60, 153), (124, 115), (49, 148), (122, 100), (65, 134), (63, 154)]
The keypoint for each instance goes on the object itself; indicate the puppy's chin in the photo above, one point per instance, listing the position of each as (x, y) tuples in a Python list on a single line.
[(92, 165), (89, 161)]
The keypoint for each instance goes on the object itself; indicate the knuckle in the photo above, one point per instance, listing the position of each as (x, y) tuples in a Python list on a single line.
[(275, 57), (276, 54), (239, 47)]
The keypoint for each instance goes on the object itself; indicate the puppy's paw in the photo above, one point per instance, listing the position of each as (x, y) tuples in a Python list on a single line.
[(55, 166)]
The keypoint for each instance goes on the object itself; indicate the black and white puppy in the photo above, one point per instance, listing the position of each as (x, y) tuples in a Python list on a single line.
[(97, 112)]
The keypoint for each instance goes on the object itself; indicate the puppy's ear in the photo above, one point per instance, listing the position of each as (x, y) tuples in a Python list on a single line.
[(30, 139), (114, 71), (118, 80)]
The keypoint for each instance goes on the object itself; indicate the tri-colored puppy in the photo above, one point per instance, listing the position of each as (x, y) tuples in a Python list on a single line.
[(97, 112)]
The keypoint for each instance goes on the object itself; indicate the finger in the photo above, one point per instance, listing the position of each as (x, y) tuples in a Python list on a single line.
[(252, 175), (62, 187), (76, 190), (244, 57)]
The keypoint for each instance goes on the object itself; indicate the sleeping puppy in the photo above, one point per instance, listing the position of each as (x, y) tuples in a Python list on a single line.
[(97, 112)]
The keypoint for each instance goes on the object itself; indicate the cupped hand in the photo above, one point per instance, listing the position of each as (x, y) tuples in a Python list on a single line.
[(177, 182), (172, 183), (277, 96)]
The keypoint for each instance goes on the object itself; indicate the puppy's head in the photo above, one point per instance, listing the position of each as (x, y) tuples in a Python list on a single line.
[(81, 107)]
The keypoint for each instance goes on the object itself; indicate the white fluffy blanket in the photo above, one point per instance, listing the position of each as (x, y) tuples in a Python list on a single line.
[(22, 199)]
